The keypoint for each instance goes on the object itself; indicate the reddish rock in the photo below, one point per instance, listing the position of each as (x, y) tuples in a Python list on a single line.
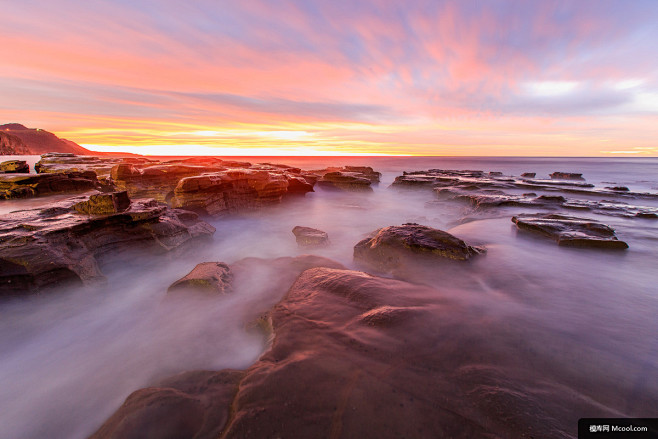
[(206, 277), (156, 181), (190, 405), (230, 191), (359, 356), (529, 175)]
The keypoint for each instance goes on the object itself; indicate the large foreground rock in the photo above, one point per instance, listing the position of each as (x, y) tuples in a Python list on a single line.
[(394, 248), (358, 356), (206, 277), (33, 185), (60, 245), (571, 231)]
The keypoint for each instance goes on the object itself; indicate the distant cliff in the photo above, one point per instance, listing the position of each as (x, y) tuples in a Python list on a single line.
[(38, 141), (12, 145)]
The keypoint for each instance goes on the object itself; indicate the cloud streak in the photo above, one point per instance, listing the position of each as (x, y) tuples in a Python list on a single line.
[(425, 76)]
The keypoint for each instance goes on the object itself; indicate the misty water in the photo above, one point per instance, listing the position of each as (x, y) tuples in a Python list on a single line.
[(68, 359)]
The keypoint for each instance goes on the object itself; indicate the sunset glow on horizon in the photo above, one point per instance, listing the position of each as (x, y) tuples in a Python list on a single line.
[(275, 78)]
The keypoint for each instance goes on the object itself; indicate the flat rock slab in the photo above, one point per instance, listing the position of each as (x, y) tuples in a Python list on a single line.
[(206, 277), (310, 237), (42, 248), (571, 231), (346, 181), (360, 356), (391, 248)]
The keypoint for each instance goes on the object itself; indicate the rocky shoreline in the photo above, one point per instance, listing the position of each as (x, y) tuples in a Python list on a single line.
[(352, 353)]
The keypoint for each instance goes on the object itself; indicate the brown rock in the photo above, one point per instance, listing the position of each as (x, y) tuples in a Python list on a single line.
[(309, 237), (56, 245), (571, 231), (206, 277), (104, 204), (189, 405), (395, 247), (529, 174), (360, 356), (156, 181), (33, 185), (230, 191), (566, 176), (14, 167), (348, 181)]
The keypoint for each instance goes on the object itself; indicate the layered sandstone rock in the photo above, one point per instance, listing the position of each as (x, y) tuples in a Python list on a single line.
[(58, 245), (571, 231), (229, 191), (33, 185)]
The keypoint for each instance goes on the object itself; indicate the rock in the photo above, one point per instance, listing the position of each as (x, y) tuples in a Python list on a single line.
[(571, 231), (365, 171), (618, 188), (347, 181), (298, 185), (495, 174), (156, 181), (206, 277), (65, 162), (566, 176), (56, 245), (230, 191), (14, 167), (392, 248), (528, 175), (104, 204), (309, 237), (12, 145), (190, 405), (360, 356), (33, 185)]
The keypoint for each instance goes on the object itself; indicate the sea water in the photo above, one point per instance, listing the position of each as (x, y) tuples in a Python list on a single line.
[(68, 359)]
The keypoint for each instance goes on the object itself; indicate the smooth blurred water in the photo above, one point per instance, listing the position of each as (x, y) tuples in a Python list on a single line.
[(68, 360)]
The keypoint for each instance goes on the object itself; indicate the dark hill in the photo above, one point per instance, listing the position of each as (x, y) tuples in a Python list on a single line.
[(12, 145)]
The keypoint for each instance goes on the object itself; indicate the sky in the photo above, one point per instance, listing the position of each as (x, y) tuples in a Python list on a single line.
[(335, 77)]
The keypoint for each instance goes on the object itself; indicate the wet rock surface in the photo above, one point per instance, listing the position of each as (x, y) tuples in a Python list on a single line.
[(206, 277), (571, 231), (310, 237), (68, 162), (58, 244), (566, 176), (354, 355), (14, 167), (393, 248), (33, 185), (481, 191)]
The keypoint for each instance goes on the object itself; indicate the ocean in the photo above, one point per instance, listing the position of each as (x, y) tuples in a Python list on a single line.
[(69, 359)]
